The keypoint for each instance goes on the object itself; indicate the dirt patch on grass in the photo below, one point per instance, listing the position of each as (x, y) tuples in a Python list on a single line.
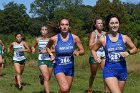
[(32, 63), (134, 67)]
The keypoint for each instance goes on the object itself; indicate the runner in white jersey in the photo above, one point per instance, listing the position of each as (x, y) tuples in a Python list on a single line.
[(44, 63), (95, 35), (19, 58), (18, 55)]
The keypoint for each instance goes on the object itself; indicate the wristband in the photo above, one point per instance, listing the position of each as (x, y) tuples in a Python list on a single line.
[(128, 52)]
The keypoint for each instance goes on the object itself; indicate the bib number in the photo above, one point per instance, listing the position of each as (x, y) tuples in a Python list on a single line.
[(114, 56), (65, 60), (19, 54)]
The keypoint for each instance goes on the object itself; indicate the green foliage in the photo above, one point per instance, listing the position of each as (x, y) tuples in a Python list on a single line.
[(106, 7), (14, 19), (46, 8), (134, 22)]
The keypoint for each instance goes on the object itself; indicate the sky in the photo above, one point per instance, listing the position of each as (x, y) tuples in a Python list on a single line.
[(28, 2)]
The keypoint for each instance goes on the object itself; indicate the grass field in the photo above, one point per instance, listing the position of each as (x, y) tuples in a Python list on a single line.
[(31, 83)]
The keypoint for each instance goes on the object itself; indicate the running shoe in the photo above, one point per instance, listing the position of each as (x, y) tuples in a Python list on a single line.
[(41, 79), (20, 87)]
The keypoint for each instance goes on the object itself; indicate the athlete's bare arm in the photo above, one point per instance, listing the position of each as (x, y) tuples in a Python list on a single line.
[(96, 46), (130, 44), (27, 49), (2, 45), (10, 47), (78, 43), (34, 45), (52, 42), (92, 40)]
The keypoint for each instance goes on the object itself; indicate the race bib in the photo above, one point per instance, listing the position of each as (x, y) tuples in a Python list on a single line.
[(65, 60), (44, 57), (114, 57), (19, 54), (40, 49)]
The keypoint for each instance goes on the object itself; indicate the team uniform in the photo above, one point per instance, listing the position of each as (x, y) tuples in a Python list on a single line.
[(2, 54), (64, 56), (115, 65), (43, 58), (100, 52), (19, 57)]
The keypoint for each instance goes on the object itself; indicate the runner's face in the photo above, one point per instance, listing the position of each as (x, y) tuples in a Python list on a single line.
[(114, 24), (19, 37), (99, 24), (44, 31), (64, 25)]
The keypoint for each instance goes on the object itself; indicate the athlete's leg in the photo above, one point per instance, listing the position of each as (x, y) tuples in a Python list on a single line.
[(70, 80), (122, 85), (93, 70), (63, 83), (112, 83), (46, 73), (50, 69), (18, 73), (106, 89), (22, 68), (0, 65)]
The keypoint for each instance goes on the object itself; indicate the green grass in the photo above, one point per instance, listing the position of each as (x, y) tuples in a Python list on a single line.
[(31, 83)]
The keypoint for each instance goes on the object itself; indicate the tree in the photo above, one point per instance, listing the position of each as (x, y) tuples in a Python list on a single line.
[(118, 8), (105, 7), (14, 19), (134, 29), (102, 8), (45, 8)]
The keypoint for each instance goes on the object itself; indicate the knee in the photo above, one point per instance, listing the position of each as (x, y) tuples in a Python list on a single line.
[(46, 78), (18, 73), (65, 89), (92, 75)]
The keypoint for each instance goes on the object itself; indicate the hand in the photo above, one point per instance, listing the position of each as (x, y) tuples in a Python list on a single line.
[(20, 50), (43, 51), (124, 54), (76, 53), (33, 51), (98, 60), (52, 58)]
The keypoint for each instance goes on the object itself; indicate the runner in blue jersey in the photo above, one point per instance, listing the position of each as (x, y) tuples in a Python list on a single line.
[(44, 62), (65, 50), (1, 57), (19, 58), (115, 70), (94, 36)]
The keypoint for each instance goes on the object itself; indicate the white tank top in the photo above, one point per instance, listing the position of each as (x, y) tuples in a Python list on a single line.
[(41, 46), (18, 56)]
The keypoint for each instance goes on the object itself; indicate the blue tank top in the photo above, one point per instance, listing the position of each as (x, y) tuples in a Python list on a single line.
[(64, 51), (113, 49)]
